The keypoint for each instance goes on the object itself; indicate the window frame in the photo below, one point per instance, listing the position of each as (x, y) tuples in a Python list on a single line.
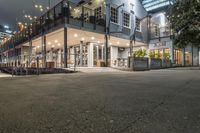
[(139, 30), (124, 23), (117, 15)]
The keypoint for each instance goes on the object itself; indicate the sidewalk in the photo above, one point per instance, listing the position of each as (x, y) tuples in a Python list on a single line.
[(185, 68), (4, 75), (96, 69)]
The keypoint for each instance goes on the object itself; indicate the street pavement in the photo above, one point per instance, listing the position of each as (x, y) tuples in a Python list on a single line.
[(158, 101)]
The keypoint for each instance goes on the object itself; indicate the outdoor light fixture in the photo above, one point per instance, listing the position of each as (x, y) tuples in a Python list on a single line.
[(5, 26), (36, 6)]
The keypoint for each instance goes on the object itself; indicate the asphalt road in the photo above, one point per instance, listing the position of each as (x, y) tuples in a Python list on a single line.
[(163, 101)]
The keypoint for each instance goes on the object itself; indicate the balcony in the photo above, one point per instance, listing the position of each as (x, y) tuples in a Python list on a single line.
[(90, 16)]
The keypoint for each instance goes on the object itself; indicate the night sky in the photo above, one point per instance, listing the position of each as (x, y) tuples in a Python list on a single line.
[(12, 11)]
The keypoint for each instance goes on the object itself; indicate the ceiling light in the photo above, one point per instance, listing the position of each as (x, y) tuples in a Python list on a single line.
[(38, 46), (127, 44), (36, 6), (82, 39), (49, 43), (92, 38), (98, 41), (58, 44), (53, 46), (75, 35), (118, 42), (56, 41)]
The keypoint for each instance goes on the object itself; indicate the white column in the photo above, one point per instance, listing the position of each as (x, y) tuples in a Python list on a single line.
[(90, 55), (102, 52), (114, 55), (59, 57), (51, 55), (97, 52)]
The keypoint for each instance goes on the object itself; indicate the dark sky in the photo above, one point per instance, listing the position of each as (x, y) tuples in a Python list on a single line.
[(12, 10)]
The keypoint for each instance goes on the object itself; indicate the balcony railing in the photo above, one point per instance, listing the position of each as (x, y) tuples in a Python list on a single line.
[(71, 13)]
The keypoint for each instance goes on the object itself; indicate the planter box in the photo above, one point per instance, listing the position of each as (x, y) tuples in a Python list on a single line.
[(155, 63), (139, 64)]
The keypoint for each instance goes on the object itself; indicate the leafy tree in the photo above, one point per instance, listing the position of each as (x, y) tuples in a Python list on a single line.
[(140, 53), (185, 22)]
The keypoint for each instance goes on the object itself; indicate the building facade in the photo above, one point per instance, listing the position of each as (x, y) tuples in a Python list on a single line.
[(92, 33)]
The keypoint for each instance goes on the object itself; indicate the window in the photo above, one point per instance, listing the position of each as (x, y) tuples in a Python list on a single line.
[(114, 15), (126, 19), (98, 12), (138, 25)]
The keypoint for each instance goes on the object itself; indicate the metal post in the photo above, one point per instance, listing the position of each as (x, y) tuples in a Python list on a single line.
[(38, 66), (65, 47), (74, 59), (44, 51), (192, 51), (81, 53), (106, 50), (183, 57)]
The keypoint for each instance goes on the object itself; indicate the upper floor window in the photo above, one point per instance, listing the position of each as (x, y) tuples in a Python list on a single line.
[(138, 24), (114, 15), (98, 12), (126, 19)]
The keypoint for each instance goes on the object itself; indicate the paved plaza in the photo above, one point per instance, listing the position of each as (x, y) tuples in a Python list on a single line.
[(158, 101)]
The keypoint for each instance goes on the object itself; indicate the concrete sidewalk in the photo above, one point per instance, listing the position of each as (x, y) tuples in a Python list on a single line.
[(95, 69), (4, 75)]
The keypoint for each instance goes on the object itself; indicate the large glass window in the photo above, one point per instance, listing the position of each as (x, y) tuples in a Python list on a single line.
[(126, 19), (114, 15)]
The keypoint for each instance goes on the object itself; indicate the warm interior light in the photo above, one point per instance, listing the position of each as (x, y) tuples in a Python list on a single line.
[(53, 46), (56, 41), (49, 43), (82, 39), (118, 42), (98, 41), (75, 35), (58, 44), (92, 38)]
